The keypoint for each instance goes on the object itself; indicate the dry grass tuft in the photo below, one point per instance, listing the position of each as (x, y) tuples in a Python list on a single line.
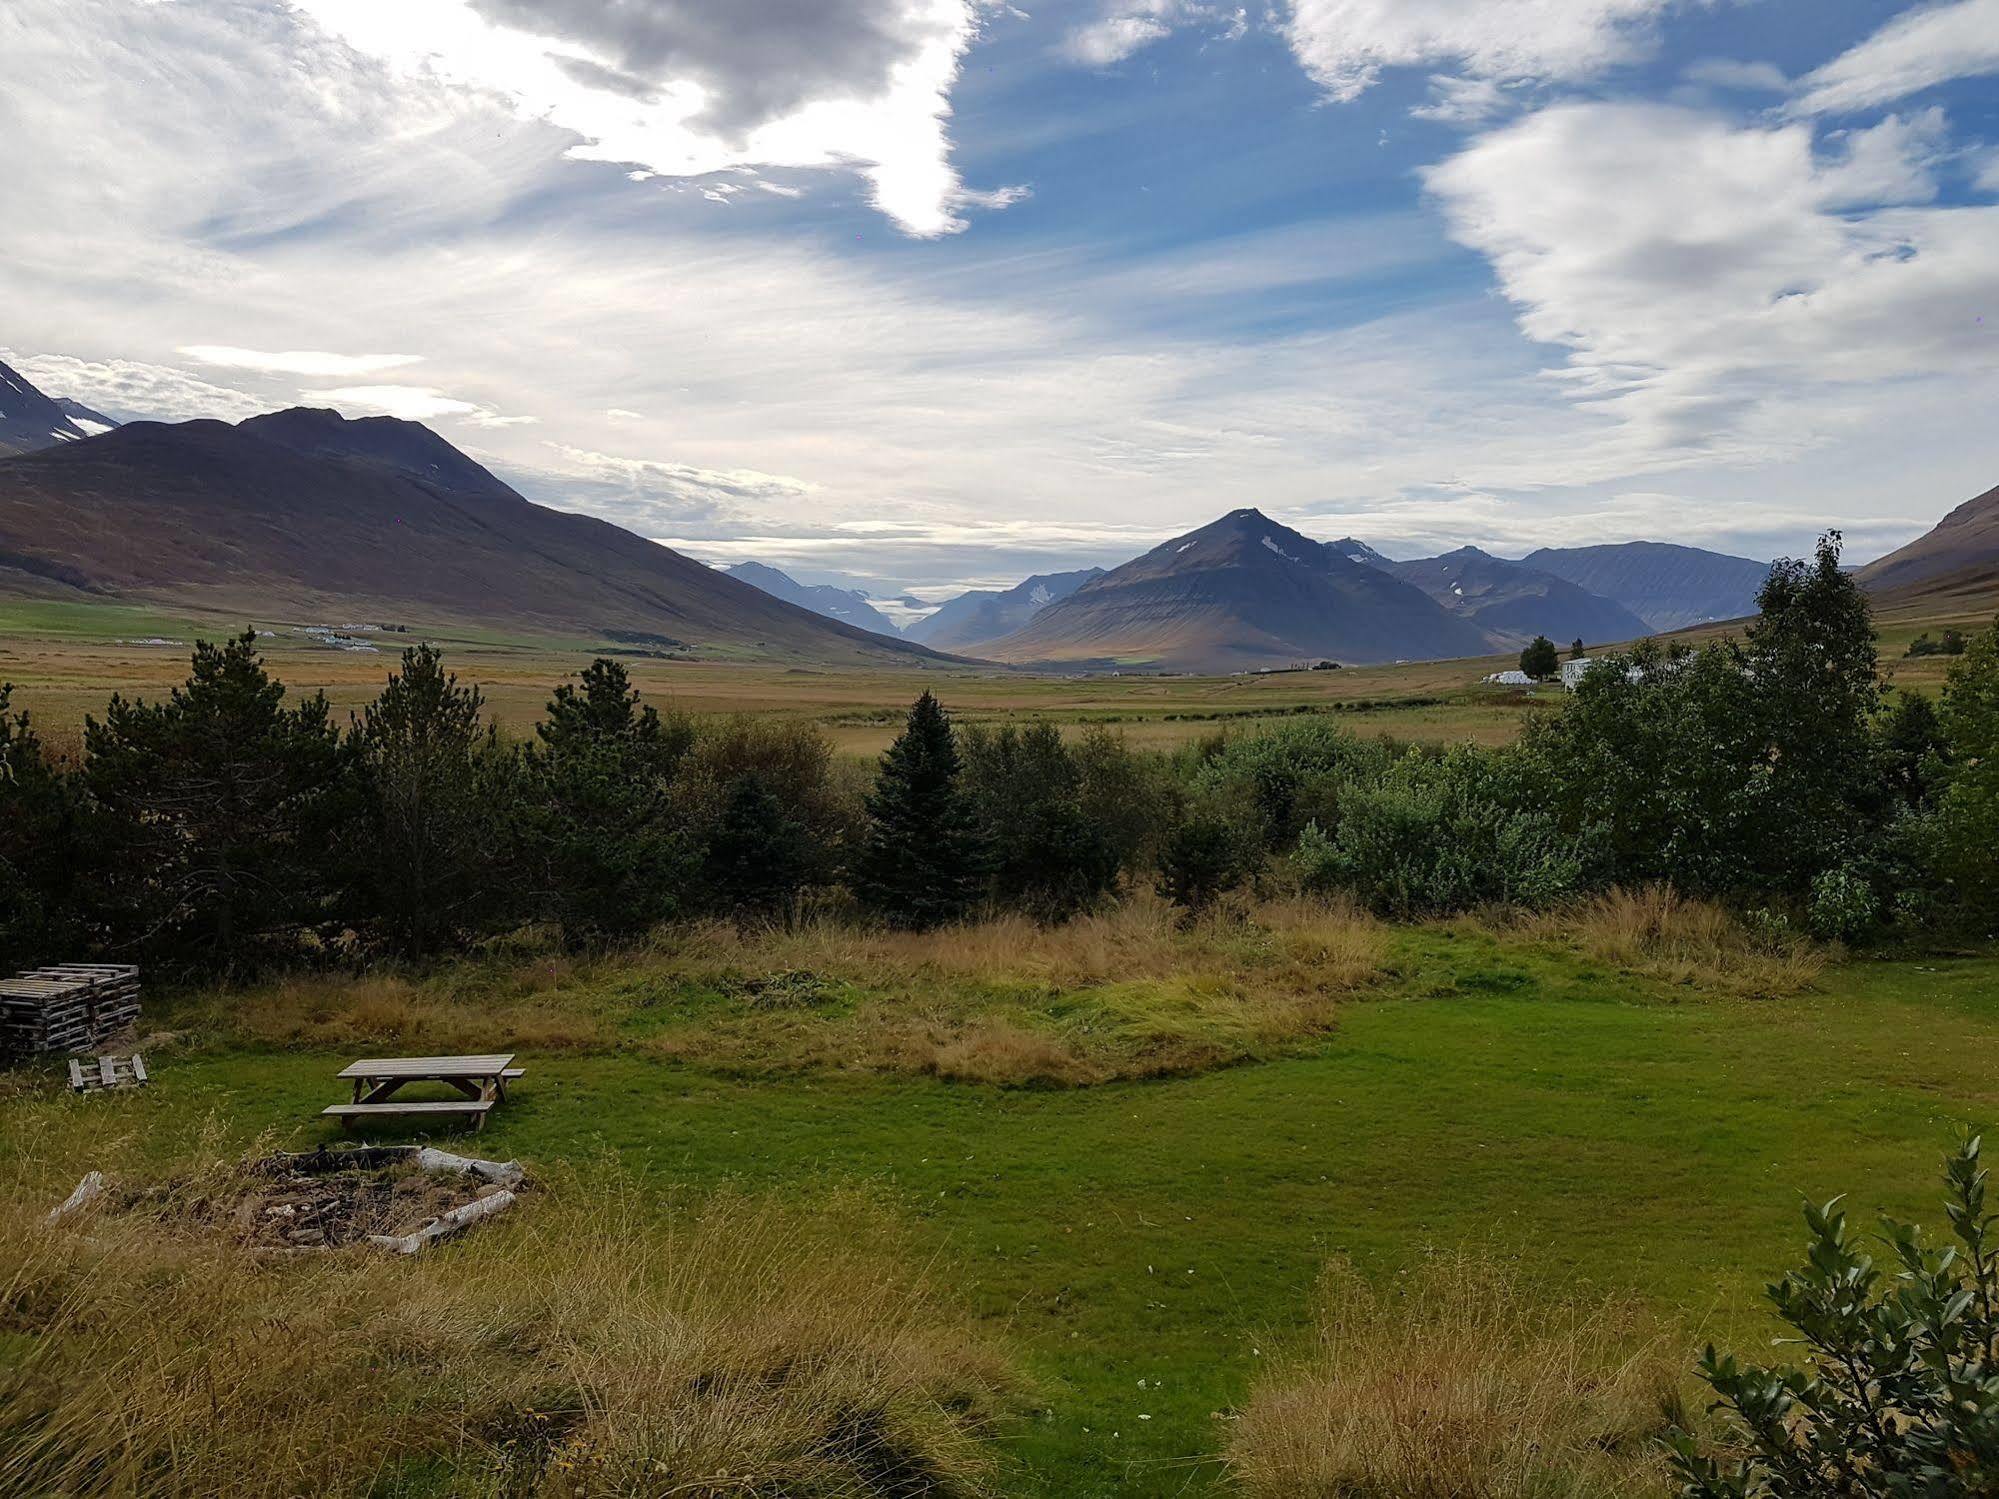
[(1456, 1384), (1657, 932), (592, 1345)]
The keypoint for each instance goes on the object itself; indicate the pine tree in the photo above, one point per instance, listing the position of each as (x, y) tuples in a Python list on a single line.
[(607, 851), (214, 805), (423, 845), (43, 850), (921, 863), (760, 856), (1578, 651)]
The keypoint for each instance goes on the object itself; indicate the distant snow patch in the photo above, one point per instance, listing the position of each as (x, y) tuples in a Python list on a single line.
[(1272, 544), (1182, 547)]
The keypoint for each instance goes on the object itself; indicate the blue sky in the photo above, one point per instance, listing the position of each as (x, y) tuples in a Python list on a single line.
[(943, 292)]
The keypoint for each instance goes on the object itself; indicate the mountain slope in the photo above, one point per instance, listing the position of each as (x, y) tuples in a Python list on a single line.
[(1513, 602), (1242, 592), (1667, 586), (1962, 549), (29, 420), (843, 604), (302, 515), (972, 619)]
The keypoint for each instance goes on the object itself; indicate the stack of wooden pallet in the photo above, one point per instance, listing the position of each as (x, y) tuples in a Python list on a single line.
[(67, 1007)]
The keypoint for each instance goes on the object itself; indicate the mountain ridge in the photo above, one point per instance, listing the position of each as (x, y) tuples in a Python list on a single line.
[(981, 615)]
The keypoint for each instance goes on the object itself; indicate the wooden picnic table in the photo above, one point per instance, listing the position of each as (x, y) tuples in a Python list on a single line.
[(481, 1079)]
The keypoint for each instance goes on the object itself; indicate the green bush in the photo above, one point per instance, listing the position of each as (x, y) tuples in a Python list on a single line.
[(1204, 859), (1897, 1394), (1043, 854), (1843, 906)]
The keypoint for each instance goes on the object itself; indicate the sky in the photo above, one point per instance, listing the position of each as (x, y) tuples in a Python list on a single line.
[(934, 294)]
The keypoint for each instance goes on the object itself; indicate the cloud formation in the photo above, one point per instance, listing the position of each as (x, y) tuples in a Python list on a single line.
[(1918, 49)]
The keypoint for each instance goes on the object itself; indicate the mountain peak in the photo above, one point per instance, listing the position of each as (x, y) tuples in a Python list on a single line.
[(29, 420)]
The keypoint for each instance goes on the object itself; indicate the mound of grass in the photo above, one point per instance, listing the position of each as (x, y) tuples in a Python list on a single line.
[(1455, 1381)]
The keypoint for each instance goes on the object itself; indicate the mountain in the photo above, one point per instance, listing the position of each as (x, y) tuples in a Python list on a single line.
[(1242, 592), (1667, 586), (89, 422), (1355, 550), (847, 605), (974, 618), (1960, 553), (1513, 602), (301, 515), (29, 420)]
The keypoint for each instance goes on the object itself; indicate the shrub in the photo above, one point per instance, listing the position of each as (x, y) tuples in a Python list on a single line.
[(1898, 1392), (1278, 780), (1043, 855), (1968, 831), (1458, 1383), (1842, 906), (1203, 860)]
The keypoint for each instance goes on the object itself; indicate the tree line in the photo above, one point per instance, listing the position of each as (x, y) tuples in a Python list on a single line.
[(227, 827)]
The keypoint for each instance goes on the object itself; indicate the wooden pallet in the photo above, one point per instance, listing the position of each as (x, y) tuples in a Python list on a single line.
[(69, 1007), (99, 1073)]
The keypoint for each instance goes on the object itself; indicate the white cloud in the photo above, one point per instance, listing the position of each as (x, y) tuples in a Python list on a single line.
[(1712, 313), (1920, 48), (135, 391), (310, 362), (685, 88), (1727, 72), (1129, 26), (1345, 44), (1464, 101), (412, 403)]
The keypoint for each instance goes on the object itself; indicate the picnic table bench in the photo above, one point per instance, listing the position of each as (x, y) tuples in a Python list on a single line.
[(482, 1080)]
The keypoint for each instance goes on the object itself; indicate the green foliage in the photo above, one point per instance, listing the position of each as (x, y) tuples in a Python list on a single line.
[(1540, 660), (1952, 643), (1812, 660), (1897, 1396), (1443, 833), (425, 848), (1578, 651), (44, 846), (760, 855), (1275, 782), (1914, 749), (921, 863), (606, 852), (213, 809), (1128, 799), (1043, 853), (790, 763), (1968, 832), (1842, 906), (1204, 859)]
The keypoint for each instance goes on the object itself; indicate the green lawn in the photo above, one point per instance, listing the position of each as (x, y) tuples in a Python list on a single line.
[(1608, 1128)]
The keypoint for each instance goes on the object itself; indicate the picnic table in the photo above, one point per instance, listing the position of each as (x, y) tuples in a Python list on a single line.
[(482, 1080)]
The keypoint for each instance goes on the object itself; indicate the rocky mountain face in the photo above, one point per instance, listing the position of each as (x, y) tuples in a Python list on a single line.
[(1669, 587), (847, 605), (31, 421), (972, 619), (1513, 602), (1241, 592)]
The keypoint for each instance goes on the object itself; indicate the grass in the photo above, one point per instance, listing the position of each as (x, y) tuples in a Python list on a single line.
[(1458, 1380), (1543, 1096)]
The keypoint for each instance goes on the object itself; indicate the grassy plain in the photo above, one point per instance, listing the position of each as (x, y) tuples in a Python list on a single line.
[(1616, 1105)]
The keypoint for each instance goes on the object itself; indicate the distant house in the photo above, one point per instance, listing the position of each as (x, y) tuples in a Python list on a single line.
[(1572, 672)]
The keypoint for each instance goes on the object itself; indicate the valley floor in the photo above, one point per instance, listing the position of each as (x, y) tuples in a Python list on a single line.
[(1615, 1121)]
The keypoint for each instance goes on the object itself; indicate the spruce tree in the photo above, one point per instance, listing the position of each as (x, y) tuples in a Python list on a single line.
[(760, 856), (43, 850), (214, 807), (422, 842), (920, 865), (1540, 660)]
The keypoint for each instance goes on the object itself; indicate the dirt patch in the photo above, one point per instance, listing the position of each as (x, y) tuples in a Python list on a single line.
[(321, 1200)]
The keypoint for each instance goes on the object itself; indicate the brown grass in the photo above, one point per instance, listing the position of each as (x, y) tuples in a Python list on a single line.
[(592, 1344), (1125, 993), (1663, 935), (1455, 1383)]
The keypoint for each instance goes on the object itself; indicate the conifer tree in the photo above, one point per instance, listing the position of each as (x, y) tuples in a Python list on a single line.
[(43, 849), (920, 865), (214, 806), (423, 844), (1540, 660), (760, 856)]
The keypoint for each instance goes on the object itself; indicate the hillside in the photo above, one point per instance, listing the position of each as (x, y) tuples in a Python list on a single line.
[(31, 421), (301, 515), (1513, 602), (1242, 592), (1958, 556), (972, 619), (1667, 586), (843, 604)]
